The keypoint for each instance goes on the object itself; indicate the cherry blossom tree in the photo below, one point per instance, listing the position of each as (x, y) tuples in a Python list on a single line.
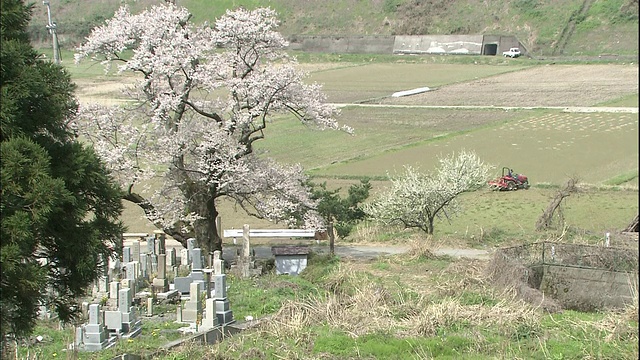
[(205, 94), (415, 199)]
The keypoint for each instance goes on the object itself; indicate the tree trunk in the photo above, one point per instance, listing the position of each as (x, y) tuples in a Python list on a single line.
[(205, 230), (545, 220), (147, 207), (207, 237)]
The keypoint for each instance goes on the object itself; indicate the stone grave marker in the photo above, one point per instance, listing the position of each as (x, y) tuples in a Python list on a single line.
[(114, 287), (126, 255), (144, 266), (135, 250), (223, 311), (193, 307), (151, 245), (95, 336)]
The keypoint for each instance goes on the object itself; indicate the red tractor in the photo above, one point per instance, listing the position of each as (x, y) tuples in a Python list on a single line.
[(509, 181)]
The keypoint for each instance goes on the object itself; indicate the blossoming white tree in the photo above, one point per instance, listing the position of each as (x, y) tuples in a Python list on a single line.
[(205, 95), (415, 199)]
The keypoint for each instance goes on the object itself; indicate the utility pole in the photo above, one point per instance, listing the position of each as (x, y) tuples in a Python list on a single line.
[(51, 26)]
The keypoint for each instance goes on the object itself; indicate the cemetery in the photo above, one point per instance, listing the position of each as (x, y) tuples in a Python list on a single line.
[(148, 275), (151, 277), (153, 284)]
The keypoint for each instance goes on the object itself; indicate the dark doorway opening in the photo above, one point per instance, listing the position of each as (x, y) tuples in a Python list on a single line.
[(490, 49)]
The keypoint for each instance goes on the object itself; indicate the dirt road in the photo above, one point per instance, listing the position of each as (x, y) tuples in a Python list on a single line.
[(361, 252)]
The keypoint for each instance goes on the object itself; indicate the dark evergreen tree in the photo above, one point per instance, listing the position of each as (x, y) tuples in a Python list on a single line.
[(343, 212), (60, 207)]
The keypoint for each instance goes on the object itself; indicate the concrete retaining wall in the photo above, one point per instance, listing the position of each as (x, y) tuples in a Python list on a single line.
[(438, 44), (588, 289), (406, 44)]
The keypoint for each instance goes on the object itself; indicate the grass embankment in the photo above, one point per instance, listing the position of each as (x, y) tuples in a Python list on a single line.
[(417, 306), (410, 306), (544, 27)]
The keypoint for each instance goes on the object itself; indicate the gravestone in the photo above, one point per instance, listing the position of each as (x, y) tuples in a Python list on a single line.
[(185, 259), (95, 336), (151, 245), (126, 255), (113, 322), (149, 306), (102, 285), (223, 312), (131, 325), (114, 287), (84, 309), (160, 282), (135, 250), (161, 238), (183, 284), (179, 314), (115, 268), (191, 244), (197, 260), (127, 284), (207, 282), (171, 258), (210, 319), (218, 263), (193, 307), (245, 262), (131, 274), (153, 263), (43, 312), (144, 266)]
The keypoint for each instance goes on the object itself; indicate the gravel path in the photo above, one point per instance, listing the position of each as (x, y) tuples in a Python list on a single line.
[(362, 251)]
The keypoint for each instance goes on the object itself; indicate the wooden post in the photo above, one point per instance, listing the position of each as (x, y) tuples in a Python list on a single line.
[(331, 239)]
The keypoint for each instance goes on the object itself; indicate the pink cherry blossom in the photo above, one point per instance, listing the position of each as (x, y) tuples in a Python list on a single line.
[(204, 95)]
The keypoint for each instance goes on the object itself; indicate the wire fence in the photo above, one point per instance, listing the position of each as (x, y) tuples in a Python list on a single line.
[(574, 255)]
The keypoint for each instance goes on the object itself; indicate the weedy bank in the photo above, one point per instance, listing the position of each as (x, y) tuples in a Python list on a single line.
[(410, 306), (419, 306)]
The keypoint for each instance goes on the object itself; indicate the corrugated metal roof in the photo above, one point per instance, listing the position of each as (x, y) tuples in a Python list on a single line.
[(290, 250)]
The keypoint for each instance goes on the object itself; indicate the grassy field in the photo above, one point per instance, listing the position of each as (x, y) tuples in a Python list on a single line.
[(548, 145)]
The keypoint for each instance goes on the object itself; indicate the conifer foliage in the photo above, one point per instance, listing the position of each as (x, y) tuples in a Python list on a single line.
[(60, 207)]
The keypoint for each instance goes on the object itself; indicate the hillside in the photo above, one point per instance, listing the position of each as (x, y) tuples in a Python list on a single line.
[(545, 27)]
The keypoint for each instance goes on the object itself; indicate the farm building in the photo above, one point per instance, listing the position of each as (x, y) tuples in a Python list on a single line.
[(290, 260)]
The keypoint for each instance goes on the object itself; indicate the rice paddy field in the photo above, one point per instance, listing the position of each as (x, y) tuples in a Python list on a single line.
[(547, 121)]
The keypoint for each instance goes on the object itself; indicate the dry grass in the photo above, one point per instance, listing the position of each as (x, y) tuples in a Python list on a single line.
[(420, 248), (509, 316), (369, 306), (366, 311), (462, 275)]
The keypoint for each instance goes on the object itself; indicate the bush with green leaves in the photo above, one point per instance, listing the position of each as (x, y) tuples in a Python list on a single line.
[(343, 212)]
